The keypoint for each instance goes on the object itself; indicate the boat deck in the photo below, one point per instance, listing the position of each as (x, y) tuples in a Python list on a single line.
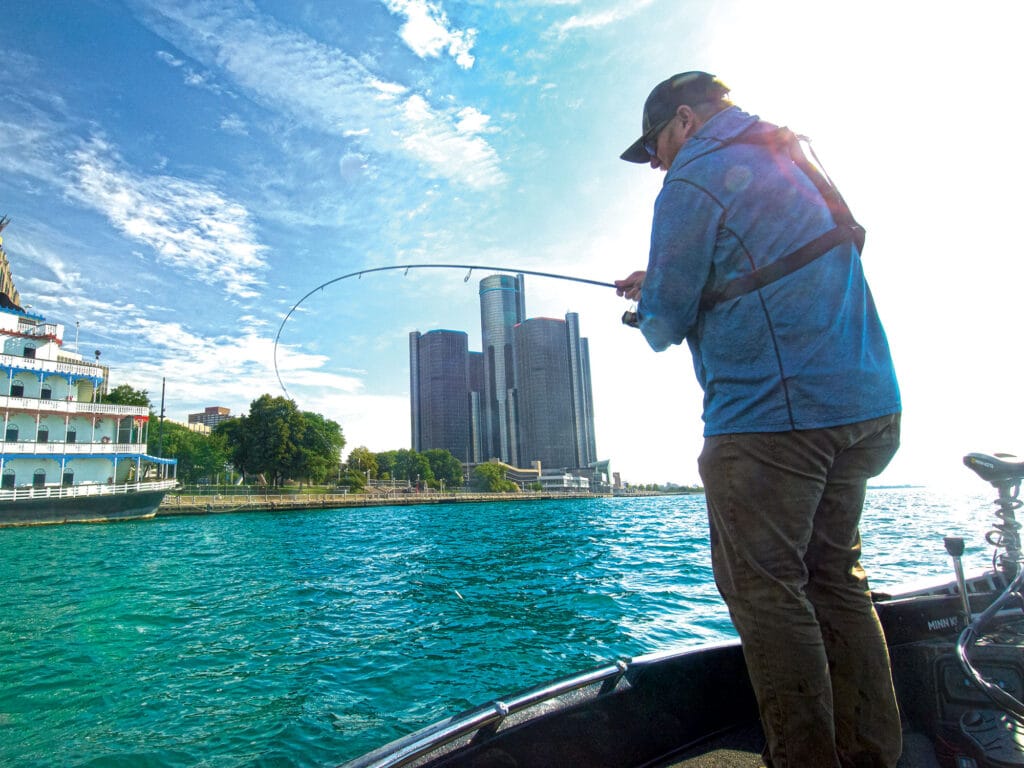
[(741, 748)]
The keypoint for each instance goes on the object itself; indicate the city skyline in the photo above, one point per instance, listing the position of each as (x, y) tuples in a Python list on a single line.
[(525, 398), (177, 175)]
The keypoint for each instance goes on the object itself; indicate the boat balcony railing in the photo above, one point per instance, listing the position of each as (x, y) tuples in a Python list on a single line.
[(83, 489), (50, 366), (41, 329), (70, 406), (70, 449)]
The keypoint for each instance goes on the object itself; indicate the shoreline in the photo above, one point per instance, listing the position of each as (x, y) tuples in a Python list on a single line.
[(195, 504)]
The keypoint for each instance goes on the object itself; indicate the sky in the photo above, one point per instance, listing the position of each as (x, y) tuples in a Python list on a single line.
[(180, 173)]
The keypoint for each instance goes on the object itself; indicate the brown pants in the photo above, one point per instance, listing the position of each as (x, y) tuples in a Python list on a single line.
[(784, 510)]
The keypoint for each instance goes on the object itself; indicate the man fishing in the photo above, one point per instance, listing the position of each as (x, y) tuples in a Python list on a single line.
[(755, 262)]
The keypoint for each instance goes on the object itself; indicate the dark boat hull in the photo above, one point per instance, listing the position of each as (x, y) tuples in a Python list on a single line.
[(130, 505), (696, 708)]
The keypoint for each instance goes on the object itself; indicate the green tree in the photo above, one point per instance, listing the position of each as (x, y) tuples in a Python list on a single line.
[(266, 440), (124, 394), (386, 464), (281, 443), (232, 432), (354, 479), (361, 460), (444, 466), (406, 465), (490, 478), (412, 466), (200, 457), (319, 445)]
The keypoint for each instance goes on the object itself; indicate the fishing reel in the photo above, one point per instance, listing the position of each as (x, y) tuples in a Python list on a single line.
[(631, 318)]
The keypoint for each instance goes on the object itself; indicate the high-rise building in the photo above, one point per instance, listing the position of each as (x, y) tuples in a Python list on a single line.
[(476, 418), (582, 395), (502, 306), (525, 398), (439, 384), (553, 393), (545, 408)]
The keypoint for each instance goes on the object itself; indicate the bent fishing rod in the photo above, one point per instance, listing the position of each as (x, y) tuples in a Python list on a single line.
[(406, 268)]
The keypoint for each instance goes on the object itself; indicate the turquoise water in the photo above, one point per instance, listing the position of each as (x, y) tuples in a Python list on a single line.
[(308, 638)]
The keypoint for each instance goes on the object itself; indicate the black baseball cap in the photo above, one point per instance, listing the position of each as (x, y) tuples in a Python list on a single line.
[(685, 88)]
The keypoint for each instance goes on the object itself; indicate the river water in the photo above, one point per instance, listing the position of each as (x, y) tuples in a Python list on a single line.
[(308, 638)]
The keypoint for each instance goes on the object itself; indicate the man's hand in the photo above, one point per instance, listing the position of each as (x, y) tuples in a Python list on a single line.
[(630, 286)]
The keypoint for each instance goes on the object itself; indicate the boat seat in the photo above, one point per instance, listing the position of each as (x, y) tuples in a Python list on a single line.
[(998, 468)]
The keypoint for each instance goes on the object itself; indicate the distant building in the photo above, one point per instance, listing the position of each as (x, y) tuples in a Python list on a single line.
[(211, 416), (525, 400), (502, 307), (191, 426), (553, 393), (439, 387)]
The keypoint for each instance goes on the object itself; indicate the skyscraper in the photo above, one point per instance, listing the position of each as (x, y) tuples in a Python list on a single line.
[(439, 389), (553, 387), (582, 395), (502, 306), (525, 398)]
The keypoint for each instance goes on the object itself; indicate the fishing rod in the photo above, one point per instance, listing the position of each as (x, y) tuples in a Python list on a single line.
[(406, 268)]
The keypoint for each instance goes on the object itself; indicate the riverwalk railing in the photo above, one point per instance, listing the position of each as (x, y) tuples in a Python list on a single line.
[(197, 504)]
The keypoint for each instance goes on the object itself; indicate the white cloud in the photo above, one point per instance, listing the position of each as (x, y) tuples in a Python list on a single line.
[(191, 77), (428, 32), (188, 224), (472, 120), (433, 142), (331, 91), (602, 18), (233, 124), (169, 59)]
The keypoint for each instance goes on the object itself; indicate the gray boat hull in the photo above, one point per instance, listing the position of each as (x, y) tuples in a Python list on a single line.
[(130, 505)]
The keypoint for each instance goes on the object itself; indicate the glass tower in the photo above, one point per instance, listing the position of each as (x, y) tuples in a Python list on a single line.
[(501, 308), (526, 397), (555, 406), (439, 386)]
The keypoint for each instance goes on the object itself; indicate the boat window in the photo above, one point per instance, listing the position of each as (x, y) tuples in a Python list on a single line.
[(30, 352), (17, 390), (68, 478), (12, 433), (43, 435), (45, 393), (39, 478), (71, 436), (8, 479)]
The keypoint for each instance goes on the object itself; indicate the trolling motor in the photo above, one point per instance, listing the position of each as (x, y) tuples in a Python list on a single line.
[(995, 735), (1005, 472)]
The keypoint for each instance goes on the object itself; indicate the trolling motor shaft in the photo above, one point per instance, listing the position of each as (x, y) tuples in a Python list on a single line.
[(955, 548)]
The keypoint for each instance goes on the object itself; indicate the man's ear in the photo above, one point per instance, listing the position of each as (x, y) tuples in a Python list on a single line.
[(688, 118)]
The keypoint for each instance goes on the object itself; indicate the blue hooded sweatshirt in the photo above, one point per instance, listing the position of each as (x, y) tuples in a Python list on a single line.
[(803, 352)]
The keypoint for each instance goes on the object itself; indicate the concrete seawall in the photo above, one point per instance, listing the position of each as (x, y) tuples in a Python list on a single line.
[(187, 504)]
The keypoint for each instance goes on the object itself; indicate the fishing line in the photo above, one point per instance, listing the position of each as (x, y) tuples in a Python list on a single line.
[(407, 267)]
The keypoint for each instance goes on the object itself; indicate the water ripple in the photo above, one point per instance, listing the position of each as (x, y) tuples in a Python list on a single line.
[(304, 639)]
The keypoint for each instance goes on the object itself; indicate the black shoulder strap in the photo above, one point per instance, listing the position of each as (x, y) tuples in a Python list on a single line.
[(783, 141)]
